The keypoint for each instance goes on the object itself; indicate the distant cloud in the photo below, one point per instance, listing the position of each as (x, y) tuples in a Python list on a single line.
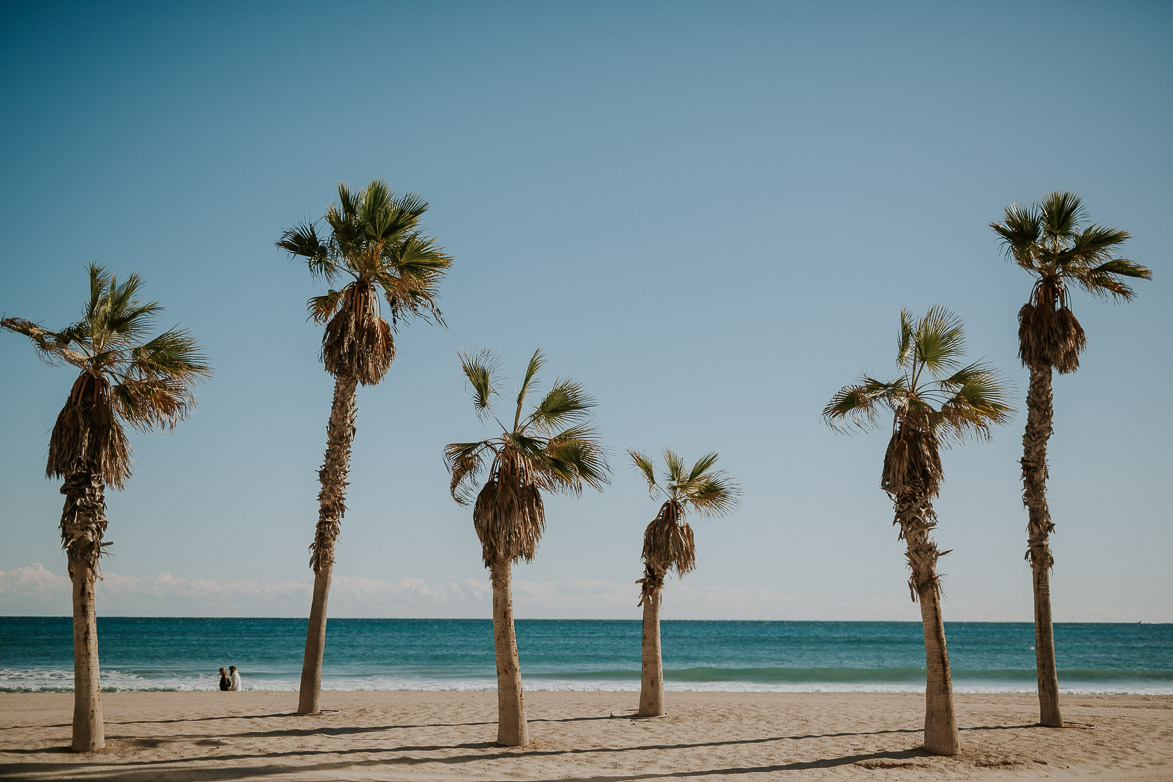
[(35, 590)]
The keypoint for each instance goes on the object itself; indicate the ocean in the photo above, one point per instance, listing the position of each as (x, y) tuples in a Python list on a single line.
[(184, 654)]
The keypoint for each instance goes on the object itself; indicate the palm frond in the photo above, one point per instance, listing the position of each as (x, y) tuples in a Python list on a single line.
[(52, 347), (531, 373), (906, 345), (322, 308), (644, 465), (174, 355), (152, 404), (99, 285), (575, 456), (713, 494), (303, 241), (940, 340), (1020, 233), (566, 402), (1104, 280), (409, 272), (1092, 245), (677, 472), (979, 400), (857, 405), (1061, 212), (703, 465), (466, 463), (410, 204), (480, 369)]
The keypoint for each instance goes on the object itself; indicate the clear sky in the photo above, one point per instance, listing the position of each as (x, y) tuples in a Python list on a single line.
[(709, 213)]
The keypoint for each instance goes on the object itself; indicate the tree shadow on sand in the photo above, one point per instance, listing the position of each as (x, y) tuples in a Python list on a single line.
[(133, 770)]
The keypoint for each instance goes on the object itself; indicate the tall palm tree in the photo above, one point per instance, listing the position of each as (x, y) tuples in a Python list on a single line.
[(668, 545), (550, 448), (376, 249), (125, 378), (935, 401), (1047, 241)]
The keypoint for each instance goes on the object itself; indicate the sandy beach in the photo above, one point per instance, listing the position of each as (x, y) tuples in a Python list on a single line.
[(449, 735)]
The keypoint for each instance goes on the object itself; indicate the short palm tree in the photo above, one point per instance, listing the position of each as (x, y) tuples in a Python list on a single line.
[(1047, 241), (550, 448), (375, 248), (935, 401), (668, 545), (125, 378)]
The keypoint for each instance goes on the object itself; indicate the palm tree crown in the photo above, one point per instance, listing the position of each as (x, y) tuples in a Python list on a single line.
[(668, 540), (1047, 240), (549, 449), (935, 400), (125, 377), (375, 241)]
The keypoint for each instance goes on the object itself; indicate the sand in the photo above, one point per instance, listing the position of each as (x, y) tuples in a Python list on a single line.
[(706, 736)]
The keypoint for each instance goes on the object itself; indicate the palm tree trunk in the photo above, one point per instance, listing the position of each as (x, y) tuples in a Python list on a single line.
[(83, 523), (309, 696), (512, 730), (1039, 413), (651, 686), (940, 721), (331, 507), (914, 514)]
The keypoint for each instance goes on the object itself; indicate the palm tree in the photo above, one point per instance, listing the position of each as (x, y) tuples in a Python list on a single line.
[(375, 247), (552, 448), (1048, 242), (124, 378), (935, 402), (668, 545)]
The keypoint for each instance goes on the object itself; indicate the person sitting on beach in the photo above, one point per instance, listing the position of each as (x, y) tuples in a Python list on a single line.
[(235, 676), (225, 682)]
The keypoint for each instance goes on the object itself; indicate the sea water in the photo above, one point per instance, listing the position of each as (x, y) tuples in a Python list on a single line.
[(457, 654)]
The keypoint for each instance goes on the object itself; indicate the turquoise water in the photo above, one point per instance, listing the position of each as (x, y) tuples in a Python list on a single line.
[(457, 654)]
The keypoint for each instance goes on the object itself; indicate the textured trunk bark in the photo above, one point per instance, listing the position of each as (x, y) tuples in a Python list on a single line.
[(1048, 676), (914, 514), (1039, 415), (512, 730), (83, 523), (651, 687), (309, 697), (89, 731), (331, 507), (940, 722)]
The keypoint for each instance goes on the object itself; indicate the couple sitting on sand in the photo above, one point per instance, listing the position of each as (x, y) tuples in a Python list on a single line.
[(229, 682)]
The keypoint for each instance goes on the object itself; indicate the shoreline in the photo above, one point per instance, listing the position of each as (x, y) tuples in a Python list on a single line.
[(405, 735)]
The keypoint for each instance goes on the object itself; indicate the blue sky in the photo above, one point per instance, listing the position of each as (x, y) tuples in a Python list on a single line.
[(710, 214)]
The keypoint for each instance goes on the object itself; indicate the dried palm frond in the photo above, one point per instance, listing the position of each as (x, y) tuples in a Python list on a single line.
[(88, 436), (357, 342), (1049, 337), (668, 541), (509, 516), (912, 462)]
